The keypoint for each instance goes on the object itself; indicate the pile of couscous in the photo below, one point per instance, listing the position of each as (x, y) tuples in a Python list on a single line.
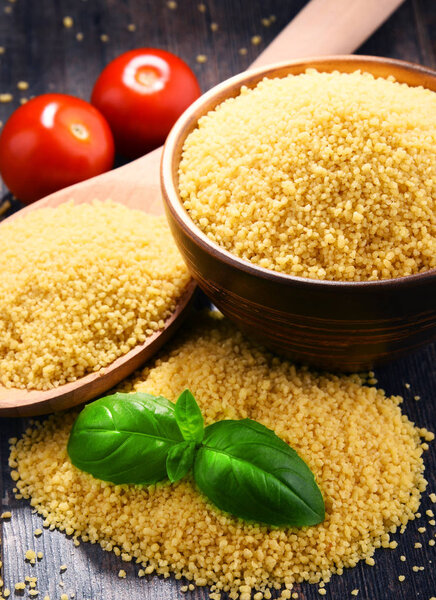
[(365, 454), (80, 286), (321, 175)]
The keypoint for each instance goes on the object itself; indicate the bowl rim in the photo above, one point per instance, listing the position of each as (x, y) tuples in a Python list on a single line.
[(215, 96)]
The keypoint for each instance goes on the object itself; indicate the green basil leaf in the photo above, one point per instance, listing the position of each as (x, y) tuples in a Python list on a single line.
[(125, 438), (245, 469), (189, 417), (180, 460)]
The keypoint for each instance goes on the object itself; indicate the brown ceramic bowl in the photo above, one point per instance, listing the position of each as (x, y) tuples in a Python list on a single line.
[(346, 326)]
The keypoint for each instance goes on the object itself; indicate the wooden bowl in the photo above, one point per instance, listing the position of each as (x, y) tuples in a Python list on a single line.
[(335, 325)]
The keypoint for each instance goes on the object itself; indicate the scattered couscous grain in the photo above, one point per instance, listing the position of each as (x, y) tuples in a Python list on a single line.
[(365, 454), (79, 36), (39, 555), (2, 49), (22, 85), (403, 558), (131, 27), (256, 40), (172, 5), (6, 205), (401, 577), (432, 522), (243, 51), (20, 585), (421, 529), (214, 26), (68, 22), (321, 175), (63, 568), (355, 592), (6, 97), (417, 545), (97, 279), (432, 497), (104, 37), (201, 58), (37, 532), (30, 555), (122, 574), (64, 597), (6, 592), (429, 513), (6, 515), (201, 7)]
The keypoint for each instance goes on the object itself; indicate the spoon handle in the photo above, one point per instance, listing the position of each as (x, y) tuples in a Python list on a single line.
[(325, 27)]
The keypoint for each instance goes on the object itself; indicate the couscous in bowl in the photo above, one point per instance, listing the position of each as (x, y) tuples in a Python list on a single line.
[(332, 324)]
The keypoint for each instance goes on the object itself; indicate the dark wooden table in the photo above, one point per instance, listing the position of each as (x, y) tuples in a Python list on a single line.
[(40, 50)]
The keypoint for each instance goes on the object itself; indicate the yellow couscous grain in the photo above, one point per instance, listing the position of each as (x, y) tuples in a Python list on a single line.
[(365, 454), (321, 175), (30, 555), (96, 279)]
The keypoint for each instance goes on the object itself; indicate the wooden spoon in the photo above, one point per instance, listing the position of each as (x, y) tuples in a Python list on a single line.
[(323, 27)]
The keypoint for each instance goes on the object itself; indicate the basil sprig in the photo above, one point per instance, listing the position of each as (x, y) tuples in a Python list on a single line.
[(243, 467)]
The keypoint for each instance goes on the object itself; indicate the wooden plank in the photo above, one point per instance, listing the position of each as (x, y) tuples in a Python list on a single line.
[(92, 573), (38, 49)]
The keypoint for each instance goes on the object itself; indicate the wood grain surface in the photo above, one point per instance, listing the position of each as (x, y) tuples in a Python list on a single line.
[(39, 50)]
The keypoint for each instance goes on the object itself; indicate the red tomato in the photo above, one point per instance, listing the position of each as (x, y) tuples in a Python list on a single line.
[(53, 141), (142, 93)]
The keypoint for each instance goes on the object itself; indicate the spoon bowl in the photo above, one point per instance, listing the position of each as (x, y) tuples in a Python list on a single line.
[(137, 187)]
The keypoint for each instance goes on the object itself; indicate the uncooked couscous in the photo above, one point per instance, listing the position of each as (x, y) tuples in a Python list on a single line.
[(81, 285), (329, 176), (365, 454)]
